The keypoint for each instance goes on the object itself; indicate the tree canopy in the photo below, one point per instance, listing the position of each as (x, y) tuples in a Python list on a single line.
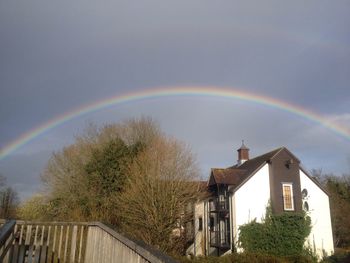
[(130, 175), (338, 188), (8, 200)]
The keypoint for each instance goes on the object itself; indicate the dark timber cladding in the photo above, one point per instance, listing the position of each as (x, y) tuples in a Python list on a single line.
[(284, 168)]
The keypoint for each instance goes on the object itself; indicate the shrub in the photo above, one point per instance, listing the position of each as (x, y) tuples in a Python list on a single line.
[(248, 258), (279, 235)]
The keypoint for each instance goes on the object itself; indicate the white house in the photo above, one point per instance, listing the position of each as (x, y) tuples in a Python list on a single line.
[(241, 193)]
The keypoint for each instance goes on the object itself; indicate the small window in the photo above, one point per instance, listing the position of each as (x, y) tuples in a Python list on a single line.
[(211, 223), (288, 203), (200, 224), (306, 206)]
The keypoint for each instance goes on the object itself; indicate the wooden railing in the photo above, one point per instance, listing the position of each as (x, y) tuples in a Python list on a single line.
[(60, 242), (220, 239), (6, 239)]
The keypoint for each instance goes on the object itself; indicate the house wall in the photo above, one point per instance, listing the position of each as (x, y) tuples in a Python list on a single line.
[(249, 202), (199, 245), (321, 237), (281, 173)]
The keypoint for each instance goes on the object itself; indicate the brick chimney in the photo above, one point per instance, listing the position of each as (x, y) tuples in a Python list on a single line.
[(243, 154)]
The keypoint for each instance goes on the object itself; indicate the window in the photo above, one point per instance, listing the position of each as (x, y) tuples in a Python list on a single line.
[(288, 203), (200, 224), (211, 223)]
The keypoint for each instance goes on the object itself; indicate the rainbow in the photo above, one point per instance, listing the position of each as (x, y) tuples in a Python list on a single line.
[(170, 92)]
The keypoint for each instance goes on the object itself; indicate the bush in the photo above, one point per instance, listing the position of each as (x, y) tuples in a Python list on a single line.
[(279, 235), (248, 258), (340, 256)]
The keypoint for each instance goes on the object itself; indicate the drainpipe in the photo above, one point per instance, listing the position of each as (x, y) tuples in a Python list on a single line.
[(231, 221), (194, 230)]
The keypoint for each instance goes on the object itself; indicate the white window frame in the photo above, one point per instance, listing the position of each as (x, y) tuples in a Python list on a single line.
[(291, 195)]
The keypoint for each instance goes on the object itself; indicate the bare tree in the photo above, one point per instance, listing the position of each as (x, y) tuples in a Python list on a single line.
[(8, 200), (338, 188), (83, 180), (162, 181), (130, 175)]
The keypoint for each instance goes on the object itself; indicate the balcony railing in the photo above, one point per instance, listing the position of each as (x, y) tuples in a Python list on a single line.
[(61, 242), (220, 239), (219, 206)]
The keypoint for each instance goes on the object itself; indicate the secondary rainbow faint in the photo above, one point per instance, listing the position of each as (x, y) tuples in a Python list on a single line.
[(178, 91)]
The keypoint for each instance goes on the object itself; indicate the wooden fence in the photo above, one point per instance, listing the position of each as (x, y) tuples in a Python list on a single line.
[(71, 242)]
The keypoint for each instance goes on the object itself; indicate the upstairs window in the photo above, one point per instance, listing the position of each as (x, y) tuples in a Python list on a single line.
[(200, 224), (288, 203)]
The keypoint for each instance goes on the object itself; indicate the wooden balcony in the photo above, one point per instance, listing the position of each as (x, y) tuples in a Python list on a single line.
[(221, 207), (61, 242), (220, 239)]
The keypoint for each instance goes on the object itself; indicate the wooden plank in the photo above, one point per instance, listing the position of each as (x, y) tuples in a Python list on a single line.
[(8, 247), (31, 244), (35, 255), (94, 248), (37, 252), (45, 248), (36, 235), (43, 254), (22, 251), (60, 244), (21, 235), (15, 253), (48, 236), (28, 234), (42, 235), (39, 245), (87, 246), (66, 244), (73, 243), (81, 243), (16, 229), (53, 245)]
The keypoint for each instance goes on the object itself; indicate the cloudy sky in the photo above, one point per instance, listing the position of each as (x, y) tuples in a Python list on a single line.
[(56, 56)]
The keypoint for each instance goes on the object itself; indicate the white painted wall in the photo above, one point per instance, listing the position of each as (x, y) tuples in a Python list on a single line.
[(250, 201), (320, 237), (198, 247)]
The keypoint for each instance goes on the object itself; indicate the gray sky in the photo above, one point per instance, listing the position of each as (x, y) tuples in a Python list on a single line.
[(58, 55)]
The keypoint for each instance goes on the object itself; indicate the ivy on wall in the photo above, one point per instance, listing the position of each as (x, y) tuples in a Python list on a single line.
[(279, 235)]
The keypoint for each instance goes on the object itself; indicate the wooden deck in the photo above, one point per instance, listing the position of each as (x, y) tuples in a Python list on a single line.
[(60, 242)]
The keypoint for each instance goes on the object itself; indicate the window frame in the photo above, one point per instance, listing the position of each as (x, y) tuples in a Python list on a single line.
[(285, 208)]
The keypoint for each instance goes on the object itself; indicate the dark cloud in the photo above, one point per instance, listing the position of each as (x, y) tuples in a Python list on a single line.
[(56, 56)]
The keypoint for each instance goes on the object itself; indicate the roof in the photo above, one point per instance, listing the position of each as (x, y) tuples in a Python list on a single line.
[(243, 147), (228, 176), (237, 174)]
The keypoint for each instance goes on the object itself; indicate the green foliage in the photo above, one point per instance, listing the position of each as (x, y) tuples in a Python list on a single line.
[(340, 256), (84, 179), (248, 258), (280, 235), (34, 208), (129, 175), (338, 188), (106, 168)]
